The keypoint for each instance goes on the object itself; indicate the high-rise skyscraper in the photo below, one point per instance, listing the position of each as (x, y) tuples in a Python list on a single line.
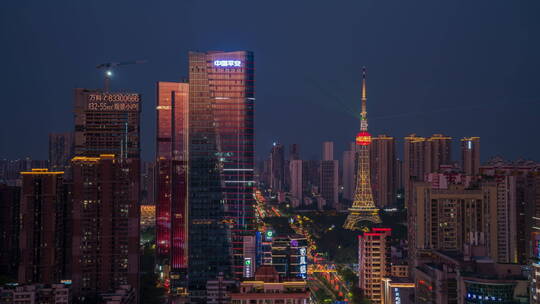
[(297, 187), (511, 238), (470, 155), (329, 183), (148, 187), (221, 182), (172, 127), (374, 262), (311, 175), (43, 237), (294, 152), (61, 151), (422, 156), (9, 229), (453, 217), (328, 150), (277, 168), (414, 158), (348, 174), (532, 220), (107, 123), (438, 152), (383, 172), (105, 194), (105, 225), (363, 207)]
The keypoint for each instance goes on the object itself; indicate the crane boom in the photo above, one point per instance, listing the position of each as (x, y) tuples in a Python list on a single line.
[(114, 64), (108, 71)]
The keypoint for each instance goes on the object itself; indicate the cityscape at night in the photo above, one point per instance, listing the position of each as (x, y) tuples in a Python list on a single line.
[(285, 152)]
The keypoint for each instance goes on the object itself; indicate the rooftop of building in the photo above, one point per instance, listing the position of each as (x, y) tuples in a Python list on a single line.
[(472, 267), (494, 272), (32, 287), (41, 171)]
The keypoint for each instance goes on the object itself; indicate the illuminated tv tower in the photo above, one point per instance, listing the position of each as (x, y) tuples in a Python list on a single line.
[(363, 208)]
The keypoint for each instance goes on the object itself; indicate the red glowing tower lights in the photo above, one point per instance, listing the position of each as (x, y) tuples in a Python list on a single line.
[(363, 138)]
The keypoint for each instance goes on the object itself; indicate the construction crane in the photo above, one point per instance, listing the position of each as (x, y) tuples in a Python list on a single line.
[(108, 69)]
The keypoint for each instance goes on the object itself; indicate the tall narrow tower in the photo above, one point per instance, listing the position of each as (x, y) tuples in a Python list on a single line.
[(363, 208)]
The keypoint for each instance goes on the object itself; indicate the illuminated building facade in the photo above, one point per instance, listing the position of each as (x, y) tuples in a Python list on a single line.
[(148, 216), (268, 288), (383, 173), (43, 236), (105, 225), (266, 247), (452, 218), (492, 283), (221, 183), (518, 199), (107, 123), (363, 207), (289, 256), (374, 262), (105, 194), (172, 181), (451, 277), (397, 291), (422, 156), (470, 155)]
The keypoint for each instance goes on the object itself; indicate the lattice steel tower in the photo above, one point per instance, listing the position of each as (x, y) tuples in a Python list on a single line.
[(363, 208)]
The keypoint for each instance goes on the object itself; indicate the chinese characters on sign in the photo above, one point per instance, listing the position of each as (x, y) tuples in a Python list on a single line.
[(113, 102), (227, 63)]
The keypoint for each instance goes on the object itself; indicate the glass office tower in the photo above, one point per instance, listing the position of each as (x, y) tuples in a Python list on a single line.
[(221, 134), (171, 182)]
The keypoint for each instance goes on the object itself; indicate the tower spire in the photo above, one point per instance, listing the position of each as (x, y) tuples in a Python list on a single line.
[(363, 114)]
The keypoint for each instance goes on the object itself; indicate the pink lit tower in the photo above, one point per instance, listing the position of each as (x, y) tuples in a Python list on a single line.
[(363, 208)]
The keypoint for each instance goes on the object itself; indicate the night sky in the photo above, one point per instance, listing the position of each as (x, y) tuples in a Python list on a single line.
[(459, 67)]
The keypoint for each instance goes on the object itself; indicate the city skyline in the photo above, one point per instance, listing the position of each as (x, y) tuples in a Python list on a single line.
[(220, 153), (456, 79)]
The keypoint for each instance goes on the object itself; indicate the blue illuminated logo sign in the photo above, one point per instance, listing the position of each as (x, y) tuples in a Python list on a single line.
[(303, 262), (227, 63)]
